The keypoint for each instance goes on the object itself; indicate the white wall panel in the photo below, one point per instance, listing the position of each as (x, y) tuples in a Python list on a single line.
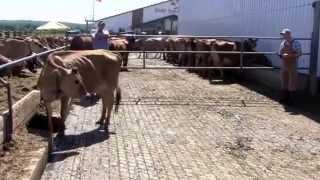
[(120, 21), (249, 17), (158, 11)]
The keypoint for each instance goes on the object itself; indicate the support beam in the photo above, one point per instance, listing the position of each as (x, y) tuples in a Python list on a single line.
[(315, 49)]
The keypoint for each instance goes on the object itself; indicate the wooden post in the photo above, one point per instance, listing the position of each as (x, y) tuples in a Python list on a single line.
[(7, 34), (313, 86)]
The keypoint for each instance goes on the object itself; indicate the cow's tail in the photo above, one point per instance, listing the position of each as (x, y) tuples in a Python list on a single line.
[(118, 99)]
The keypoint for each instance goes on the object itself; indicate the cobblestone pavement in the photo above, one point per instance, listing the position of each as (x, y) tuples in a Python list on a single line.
[(174, 125)]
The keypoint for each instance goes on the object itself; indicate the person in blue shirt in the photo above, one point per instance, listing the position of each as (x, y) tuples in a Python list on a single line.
[(100, 38), (289, 52)]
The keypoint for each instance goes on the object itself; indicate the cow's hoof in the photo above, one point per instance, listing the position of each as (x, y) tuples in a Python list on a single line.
[(60, 134), (106, 128), (99, 122)]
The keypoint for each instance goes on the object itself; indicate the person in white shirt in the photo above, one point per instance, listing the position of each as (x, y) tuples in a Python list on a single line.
[(101, 37), (289, 52)]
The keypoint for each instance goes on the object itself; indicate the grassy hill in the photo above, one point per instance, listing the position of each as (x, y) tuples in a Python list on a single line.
[(28, 25)]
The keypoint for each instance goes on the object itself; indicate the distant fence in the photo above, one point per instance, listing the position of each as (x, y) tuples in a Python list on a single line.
[(11, 34), (14, 34)]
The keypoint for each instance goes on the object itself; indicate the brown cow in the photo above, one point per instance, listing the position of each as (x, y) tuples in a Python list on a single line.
[(72, 74), (120, 44), (16, 48), (180, 44), (201, 59), (5, 60), (83, 42), (153, 44), (229, 60)]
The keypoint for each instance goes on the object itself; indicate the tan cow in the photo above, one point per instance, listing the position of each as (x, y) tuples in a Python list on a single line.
[(72, 74), (201, 59), (180, 44), (153, 44), (83, 42), (17, 48), (120, 44), (229, 60)]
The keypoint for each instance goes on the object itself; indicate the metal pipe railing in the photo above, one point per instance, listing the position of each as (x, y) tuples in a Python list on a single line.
[(208, 68), (208, 37), (15, 62), (206, 52)]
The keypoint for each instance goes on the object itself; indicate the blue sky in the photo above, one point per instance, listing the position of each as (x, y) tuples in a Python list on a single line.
[(66, 10)]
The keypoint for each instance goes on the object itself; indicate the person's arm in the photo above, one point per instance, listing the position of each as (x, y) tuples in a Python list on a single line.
[(297, 49), (280, 52)]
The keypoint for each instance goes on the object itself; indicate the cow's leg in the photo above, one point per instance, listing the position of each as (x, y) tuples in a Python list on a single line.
[(125, 61), (164, 56), (50, 126), (103, 112), (109, 102), (64, 110)]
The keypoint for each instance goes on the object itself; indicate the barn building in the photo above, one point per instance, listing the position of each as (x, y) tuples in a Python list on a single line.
[(250, 18), (152, 19)]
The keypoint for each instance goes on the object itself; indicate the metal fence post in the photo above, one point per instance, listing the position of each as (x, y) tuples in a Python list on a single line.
[(7, 34), (144, 60), (314, 50), (241, 57), (8, 121)]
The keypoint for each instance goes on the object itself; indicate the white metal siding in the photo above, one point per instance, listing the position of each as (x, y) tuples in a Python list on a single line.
[(249, 17), (158, 11), (123, 21)]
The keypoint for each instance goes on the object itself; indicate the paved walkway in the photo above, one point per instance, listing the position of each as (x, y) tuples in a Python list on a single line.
[(175, 125)]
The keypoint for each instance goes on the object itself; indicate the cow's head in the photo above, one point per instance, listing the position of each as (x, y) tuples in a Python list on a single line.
[(69, 81), (250, 44)]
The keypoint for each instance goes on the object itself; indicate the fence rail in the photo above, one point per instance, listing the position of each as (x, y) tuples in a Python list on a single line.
[(209, 37), (210, 68), (9, 34), (205, 52), (15, 62)]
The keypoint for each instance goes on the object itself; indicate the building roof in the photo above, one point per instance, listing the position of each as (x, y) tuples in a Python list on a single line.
[(166, 1)]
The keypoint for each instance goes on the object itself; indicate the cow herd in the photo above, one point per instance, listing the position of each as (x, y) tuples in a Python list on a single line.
[(212, 59), (15, 48), (131, 43), (83, 71)]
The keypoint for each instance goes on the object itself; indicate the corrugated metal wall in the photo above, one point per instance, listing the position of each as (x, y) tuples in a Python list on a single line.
[(123, 21), (249, 17), (158, 11)]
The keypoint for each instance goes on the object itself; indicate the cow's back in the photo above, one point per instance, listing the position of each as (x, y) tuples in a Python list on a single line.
[(14, 48), (99, 69), (81, 43)]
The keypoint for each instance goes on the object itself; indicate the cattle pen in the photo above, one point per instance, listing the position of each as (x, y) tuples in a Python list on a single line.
[(8, 122), (175, 125)]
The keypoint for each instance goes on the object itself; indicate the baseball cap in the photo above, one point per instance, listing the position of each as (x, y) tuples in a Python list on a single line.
[(284, 31)]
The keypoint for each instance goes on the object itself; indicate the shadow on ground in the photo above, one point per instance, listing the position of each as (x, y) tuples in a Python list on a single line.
[(87, 101), (68, 145), (303, 103)]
